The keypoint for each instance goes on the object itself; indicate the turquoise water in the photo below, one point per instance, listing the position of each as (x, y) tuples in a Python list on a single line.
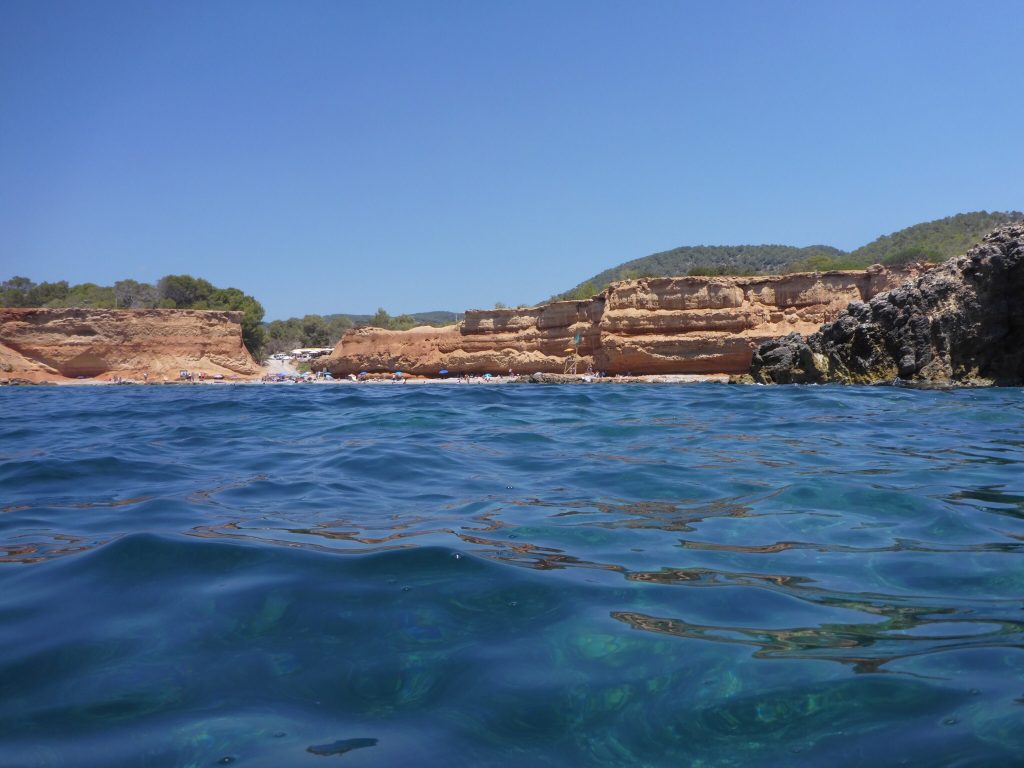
[(511, 576)]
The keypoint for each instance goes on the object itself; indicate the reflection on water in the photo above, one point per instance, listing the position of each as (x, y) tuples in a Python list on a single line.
[(511, 576), (866, 647)]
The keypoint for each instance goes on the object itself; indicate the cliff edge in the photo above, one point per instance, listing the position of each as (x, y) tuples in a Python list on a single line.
[(54, 344), (663, 325), (960, 323)]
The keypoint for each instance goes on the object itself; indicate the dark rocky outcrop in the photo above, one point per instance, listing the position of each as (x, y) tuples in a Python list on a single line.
[(961, 323)]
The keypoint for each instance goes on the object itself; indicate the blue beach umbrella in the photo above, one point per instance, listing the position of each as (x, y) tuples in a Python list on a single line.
[(443, 371)]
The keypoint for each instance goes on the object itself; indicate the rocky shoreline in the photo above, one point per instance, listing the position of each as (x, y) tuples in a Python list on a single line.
[(536, 378), (960, 324)]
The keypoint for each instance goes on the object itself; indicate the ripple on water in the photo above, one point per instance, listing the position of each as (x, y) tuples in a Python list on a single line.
[(602, 575)]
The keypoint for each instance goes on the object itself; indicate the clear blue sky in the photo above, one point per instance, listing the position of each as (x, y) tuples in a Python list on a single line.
[(340, 156)]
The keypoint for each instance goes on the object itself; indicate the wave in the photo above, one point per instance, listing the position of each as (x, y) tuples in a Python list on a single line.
[(514, 575)]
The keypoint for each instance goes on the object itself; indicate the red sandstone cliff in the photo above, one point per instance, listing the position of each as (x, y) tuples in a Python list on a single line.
[(53, 344), (699, 325)]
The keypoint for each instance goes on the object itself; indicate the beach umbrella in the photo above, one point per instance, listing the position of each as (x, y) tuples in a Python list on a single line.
[(488, 376), (443, 371)]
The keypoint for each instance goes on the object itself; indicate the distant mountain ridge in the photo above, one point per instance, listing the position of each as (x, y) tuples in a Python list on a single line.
[(932, 240)]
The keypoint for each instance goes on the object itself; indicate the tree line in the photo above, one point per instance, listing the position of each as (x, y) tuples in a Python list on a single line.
[(307, 331), (327, 330)]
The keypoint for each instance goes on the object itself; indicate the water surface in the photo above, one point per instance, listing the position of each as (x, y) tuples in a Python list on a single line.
[(511, 575)]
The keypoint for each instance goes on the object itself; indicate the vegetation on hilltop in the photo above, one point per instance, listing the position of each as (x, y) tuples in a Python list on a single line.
[(930, 241), (383, 320), (941, 239), (169, 292)]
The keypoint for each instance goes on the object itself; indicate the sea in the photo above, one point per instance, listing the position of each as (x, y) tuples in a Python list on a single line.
[(511, 575)]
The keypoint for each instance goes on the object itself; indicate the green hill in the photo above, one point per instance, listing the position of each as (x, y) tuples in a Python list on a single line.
[(940, 239), (933, 240)]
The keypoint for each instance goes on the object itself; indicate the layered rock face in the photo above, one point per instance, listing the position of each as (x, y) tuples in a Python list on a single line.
[(698, 325), (45, 344), (961, 323)]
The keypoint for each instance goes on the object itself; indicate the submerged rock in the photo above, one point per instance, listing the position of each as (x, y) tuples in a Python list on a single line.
[(960, 323), (341, 746)]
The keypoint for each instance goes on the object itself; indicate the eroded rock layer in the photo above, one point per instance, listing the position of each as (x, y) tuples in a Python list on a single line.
[(698, 325), (961, 323), (47, 344)]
